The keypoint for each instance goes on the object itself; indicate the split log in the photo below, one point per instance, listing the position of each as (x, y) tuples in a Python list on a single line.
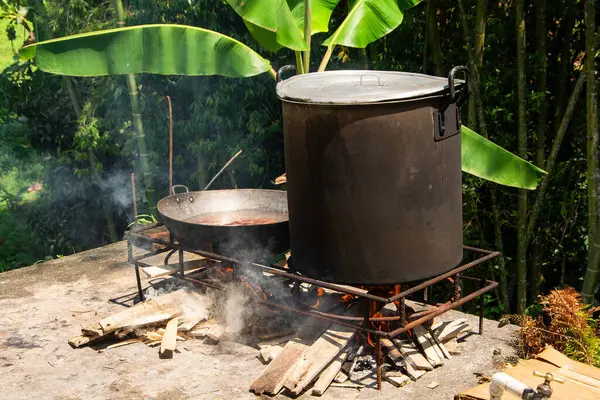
[(152, 311), (341, 377), (157, 271), (330, 373), (439, 345), (413, 373), (125, 343), (396, 378), (445, 331), (320, 354), (92, 330), (169, 339), (273, 377), (452, 347), (274, 342), (428, 346), (81, 340), (392, 352), (412, 355), (269, 353)]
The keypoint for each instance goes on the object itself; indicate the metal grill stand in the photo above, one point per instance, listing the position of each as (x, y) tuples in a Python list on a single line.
[(139, 237)]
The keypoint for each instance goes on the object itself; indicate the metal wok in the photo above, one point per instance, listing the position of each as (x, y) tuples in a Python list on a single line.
[(245, 240)]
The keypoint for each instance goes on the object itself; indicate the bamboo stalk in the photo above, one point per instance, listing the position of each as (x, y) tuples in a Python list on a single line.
[(307, 33), (593, 171), (170, 145), (522, 241)]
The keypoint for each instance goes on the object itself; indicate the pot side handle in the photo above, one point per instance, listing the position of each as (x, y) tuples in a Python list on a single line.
[(179, 186)]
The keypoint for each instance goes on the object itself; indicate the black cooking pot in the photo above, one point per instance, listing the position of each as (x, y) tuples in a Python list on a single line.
[(373, 164)]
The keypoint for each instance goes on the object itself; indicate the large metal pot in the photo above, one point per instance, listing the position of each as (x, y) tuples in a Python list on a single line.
[(373, 163), (190, 219)]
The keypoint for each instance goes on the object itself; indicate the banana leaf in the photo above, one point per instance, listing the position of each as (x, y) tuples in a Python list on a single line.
[(266, 33), (487, 160), (274, 16), (156, 49), (369, 20)]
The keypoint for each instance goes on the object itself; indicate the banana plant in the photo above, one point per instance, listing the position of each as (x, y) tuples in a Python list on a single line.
[(275, 24)]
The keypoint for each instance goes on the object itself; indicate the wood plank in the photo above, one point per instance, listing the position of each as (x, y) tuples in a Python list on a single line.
[(445, 331), (152, 311), (413, 373), (330, 373), (125, 343), (393, 352), (320, 354), (157, 271), (440, 345), (269, 353), (555, 357), (453, 347), (397, 381), (274, 342), (427, 346), (273, 377), (169, 339), (81, 340), (92, 330), (412, 355)]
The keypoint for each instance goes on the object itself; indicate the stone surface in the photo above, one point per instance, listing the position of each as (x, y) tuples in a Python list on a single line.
[(46, 304)]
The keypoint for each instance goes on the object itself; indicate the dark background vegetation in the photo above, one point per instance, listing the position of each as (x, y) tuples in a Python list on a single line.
[(42, 140)]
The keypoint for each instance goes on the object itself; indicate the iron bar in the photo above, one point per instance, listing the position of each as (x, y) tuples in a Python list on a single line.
[(379, 362), (139, 281), (481, 306)]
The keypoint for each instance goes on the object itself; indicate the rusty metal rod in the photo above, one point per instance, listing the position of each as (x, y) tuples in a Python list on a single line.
[(491, 286), (448, 274)]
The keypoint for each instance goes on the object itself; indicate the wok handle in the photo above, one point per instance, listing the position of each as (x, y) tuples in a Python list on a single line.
[(179, 186)]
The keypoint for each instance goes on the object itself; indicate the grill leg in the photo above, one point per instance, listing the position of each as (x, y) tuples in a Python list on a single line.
[(457, 287), (139, 281), (402, 311), (181, 268), (379, 373), (481, 304)]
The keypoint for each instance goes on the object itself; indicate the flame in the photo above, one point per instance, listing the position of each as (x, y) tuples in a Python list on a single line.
[(320, 292), (347, 298), (382, 291)]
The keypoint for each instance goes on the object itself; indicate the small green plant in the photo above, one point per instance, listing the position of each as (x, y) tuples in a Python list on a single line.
[(143, 219), (492, 309)]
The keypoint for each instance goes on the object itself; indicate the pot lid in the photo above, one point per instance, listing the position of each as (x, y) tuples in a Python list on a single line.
[(360, 87)]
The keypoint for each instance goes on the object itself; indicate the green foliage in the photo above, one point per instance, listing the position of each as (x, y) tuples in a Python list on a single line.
[(157, 49)]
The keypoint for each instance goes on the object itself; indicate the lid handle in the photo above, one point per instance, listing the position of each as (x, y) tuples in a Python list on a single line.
[(360, 83), (463, 94), (282, 70)]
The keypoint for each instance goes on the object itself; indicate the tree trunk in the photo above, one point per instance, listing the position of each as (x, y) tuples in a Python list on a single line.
[(478, 45), (498, 240), (139, 126), (522, 152), (433, 39), (567, 26), (593, 174), (110, 220), (541, 33)]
